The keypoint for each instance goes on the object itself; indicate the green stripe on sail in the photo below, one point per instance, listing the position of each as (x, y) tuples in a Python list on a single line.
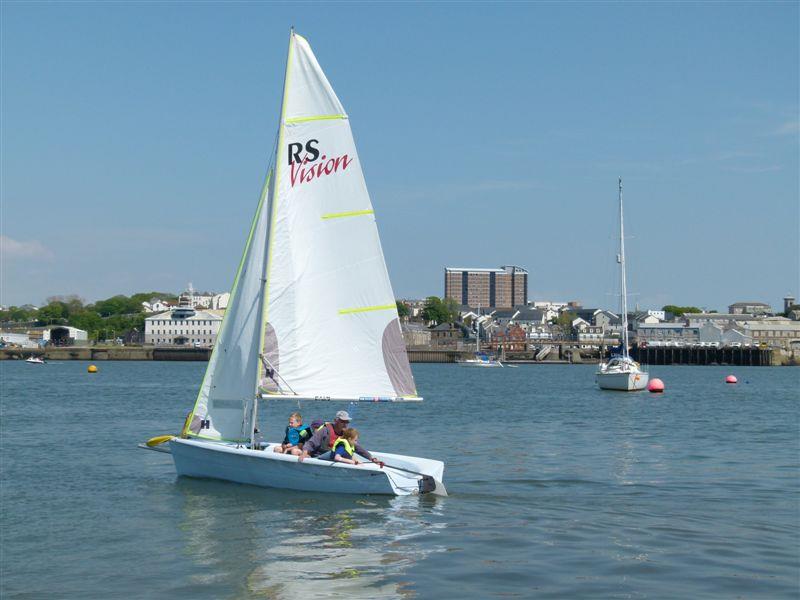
[(314, 118), (350, 311), (351, 213)]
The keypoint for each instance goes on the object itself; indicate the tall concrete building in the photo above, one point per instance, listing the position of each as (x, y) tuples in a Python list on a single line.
[(502, 288)]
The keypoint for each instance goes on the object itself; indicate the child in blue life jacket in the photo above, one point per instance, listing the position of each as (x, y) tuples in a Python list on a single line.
[(344, 448), (296, 435)]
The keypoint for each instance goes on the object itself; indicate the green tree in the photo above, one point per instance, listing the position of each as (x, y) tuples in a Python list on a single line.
[(88, 320), (440, 311), (680, 310), (402, 309), (117, 305), (15, 314), (565, 319), (55, 313)]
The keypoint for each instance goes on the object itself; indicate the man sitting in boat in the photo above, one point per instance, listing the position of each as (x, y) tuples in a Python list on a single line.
[(321, 443), (296, 435)]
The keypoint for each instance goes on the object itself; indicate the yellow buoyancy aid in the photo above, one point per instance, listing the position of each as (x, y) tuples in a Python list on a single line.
[(349, 449)]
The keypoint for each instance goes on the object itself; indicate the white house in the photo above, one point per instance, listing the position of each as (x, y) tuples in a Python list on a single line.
[(156, 305), (183, 326), (220, 301)]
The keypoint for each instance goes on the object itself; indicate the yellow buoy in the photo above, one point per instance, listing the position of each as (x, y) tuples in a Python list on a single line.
[(92, 369)]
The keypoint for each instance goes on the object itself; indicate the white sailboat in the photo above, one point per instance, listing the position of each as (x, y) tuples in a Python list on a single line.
[(481, 359), (621, 372), (311, 315)]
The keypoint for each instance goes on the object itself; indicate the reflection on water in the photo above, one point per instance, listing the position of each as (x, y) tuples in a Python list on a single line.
[(283, 544)]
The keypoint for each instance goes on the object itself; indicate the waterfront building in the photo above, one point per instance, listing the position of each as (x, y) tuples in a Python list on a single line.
[(773, 331), (415, 334), (524, 316), (586, 332), (513, 339), (788, 303), (503, 288), (711, 334), (666, 334), (15, 338), (598, 317), (645, 317), (551, 309), (53, 335), (446, 334), (721, 319), (61, 335), (750, 308), (183, 326)]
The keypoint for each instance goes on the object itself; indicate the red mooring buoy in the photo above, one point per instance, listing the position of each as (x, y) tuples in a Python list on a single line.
[(656, 386), (731, 379)]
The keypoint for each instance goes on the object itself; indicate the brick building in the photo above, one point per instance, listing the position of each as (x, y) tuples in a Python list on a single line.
[(502, 288)]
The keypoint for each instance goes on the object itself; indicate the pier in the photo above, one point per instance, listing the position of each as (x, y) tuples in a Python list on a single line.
[(700, 355)]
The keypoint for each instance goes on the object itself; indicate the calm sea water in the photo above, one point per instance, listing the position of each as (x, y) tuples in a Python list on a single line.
[(558, 490)]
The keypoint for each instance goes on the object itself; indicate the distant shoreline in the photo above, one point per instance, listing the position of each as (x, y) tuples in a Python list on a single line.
[(177, 354)]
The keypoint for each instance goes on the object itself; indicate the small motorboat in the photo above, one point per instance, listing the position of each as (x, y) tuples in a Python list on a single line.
[(35, 360)]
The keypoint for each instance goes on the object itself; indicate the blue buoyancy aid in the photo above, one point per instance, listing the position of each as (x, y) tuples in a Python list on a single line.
[(349, 450), (297, 435)]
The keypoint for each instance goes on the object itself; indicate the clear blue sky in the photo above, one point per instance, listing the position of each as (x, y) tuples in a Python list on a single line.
[(135, 138)]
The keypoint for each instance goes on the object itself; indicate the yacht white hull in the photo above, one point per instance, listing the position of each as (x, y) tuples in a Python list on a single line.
[(265, 468), (480, 363), (626, 381)]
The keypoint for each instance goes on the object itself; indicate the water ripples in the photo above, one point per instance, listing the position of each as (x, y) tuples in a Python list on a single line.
[(557, 490)]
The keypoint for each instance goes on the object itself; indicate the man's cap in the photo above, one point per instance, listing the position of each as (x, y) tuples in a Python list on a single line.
[(343, 415)]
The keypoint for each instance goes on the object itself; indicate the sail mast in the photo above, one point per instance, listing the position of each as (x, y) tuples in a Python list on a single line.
[(624, 287), (270, 235)]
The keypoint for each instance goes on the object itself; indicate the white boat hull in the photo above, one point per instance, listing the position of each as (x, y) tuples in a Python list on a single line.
[(480, 363), (630, 381), (265, 468)]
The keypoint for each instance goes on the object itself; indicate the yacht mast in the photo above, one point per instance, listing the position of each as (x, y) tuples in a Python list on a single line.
[(624, 286)]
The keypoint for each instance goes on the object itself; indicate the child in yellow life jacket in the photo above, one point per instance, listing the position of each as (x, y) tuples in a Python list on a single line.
[(296, 435), (344, 448)]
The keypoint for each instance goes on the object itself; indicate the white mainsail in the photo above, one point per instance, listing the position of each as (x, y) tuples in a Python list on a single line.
[(312, 312), (331, 324)]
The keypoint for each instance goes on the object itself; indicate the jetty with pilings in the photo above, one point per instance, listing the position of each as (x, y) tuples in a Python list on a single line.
[(704, 355)]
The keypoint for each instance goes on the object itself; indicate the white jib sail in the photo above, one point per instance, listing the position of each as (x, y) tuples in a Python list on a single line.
[(331, 324), (222, 410)]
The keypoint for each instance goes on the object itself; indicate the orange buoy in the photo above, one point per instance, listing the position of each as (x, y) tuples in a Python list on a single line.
[(92, 369), (731, 379), (656, 386)]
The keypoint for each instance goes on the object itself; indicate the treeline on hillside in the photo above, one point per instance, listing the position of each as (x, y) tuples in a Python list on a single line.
[(105, 319)]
